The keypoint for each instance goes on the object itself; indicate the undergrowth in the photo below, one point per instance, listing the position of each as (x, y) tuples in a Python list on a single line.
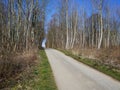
[(39, 77), (13, 64)]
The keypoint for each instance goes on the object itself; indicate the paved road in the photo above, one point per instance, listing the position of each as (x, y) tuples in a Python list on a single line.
[(72, 75)]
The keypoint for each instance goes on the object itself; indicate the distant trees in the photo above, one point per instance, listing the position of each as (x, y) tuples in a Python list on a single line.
[(74, 29)]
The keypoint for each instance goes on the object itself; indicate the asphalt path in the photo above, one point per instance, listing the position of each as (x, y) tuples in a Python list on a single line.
[(72, 75)]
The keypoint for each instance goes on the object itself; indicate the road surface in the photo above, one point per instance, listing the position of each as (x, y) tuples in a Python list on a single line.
[(72, 75)]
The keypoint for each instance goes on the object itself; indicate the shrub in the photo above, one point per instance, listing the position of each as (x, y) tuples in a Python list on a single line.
[(13, 64)]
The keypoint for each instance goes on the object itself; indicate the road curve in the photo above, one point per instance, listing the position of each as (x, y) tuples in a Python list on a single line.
[(72, 75)]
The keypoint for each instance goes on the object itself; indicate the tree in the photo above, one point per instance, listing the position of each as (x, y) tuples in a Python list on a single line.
[(22, 24)]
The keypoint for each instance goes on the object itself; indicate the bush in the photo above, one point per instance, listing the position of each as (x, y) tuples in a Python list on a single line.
[(12, 65)]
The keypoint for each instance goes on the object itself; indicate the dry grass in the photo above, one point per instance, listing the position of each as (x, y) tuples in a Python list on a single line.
[(12, 65), (38, 77), (109, 56)]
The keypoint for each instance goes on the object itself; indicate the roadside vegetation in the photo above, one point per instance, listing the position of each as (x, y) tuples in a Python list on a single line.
[(97, 64), (37, 75), (45, 76), (13, 65)]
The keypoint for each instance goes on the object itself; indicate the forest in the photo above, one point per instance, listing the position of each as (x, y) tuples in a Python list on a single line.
[(21, 34), (77, 30)]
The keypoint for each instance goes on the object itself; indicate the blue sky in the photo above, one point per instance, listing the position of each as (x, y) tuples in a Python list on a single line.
[(53, 4)]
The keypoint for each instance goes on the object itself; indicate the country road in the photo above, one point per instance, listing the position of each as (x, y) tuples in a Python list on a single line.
[(72, 75)]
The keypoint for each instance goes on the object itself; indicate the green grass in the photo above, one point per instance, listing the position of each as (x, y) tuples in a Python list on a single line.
[(40, 78), (113, 72)]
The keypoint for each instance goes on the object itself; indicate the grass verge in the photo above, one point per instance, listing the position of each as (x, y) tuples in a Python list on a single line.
[(111, 71), (40, 76)]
